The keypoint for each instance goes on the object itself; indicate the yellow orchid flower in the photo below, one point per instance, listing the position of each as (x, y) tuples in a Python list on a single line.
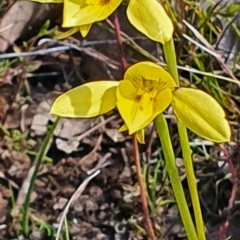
[(141, 13), (146, 91), (82, 12), (148, 16)]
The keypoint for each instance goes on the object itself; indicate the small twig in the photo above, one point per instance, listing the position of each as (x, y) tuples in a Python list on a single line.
[(119, 42), (41, 52), (148, 157), (149, 144), (88, 132), (232, 198), (233, 177), (3, 29), (86, 50), (148, 222), (74, 197)]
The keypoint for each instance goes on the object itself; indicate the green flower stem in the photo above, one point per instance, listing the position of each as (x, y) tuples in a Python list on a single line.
[(36, 164), (191, 180), (66, 229), (170, 56), (162, 129)]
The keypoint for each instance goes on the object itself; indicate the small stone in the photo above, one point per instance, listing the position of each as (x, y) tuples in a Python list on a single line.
[(59, 205), (101, 236), (36, 235), (78, 207), (102, 215)]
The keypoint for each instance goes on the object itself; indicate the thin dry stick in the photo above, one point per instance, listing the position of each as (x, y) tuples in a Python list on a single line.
[(75, 196), (148, 156), (147, 219), (148, 222), (233, 177), (232, 198), (119, 42), (102, 123)]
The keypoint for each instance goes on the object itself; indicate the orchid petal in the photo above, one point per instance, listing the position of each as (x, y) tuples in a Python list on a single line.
[(84, 29), (68, 33), (201, 113), (134, 117), (70, 12), (123, 128), (88, 100), (87, 12), (138, 113), (163, 100), (48, 1), (140, 135), (142, 71), (150, 18)]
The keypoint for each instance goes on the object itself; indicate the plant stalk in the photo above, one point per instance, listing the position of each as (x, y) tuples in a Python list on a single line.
[(170, 56), (36, 165), (162, 129)]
